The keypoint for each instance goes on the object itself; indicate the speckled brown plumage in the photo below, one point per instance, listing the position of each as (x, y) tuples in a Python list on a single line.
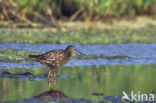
[(55, 58)]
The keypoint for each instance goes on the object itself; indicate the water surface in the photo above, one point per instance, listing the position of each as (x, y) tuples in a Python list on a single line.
[(132, 50), (81, 82), (81, 79)]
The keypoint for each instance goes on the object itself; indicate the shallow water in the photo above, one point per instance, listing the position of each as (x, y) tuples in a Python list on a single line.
[(79, 82), (83, 62), (136, 53), (132, 50), (81, 79)]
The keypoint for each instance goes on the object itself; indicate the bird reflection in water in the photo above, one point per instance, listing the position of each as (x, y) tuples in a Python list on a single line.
[(54, 83), (52, 93)]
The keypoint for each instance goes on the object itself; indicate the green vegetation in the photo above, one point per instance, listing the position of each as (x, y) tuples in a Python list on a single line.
[(77, 33), (14, 55), (73, 9)]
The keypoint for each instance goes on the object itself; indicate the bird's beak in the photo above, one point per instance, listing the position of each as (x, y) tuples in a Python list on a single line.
[(76, 51)]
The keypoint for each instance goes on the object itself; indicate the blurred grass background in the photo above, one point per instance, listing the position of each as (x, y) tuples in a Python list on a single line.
[(74, 9), (100, 34), (78, 21)]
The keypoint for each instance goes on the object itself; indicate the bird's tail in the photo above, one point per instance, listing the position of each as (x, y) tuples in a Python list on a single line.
[(33, 56), (37, 57)]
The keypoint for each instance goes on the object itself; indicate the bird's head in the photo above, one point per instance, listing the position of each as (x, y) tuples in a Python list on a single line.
[(72, 49)]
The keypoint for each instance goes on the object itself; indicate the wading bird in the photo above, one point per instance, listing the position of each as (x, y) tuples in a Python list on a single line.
[(55, 58)]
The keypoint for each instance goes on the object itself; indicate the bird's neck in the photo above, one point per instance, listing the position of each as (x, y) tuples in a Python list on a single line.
[(68, 54)]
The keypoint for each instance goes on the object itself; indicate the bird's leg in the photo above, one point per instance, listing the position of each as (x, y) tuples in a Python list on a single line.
[(54, 83), (49, 73), (49, 85), (54, 73)]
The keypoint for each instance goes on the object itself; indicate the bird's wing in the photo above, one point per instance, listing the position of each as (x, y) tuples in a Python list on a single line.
[(51, 55)]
